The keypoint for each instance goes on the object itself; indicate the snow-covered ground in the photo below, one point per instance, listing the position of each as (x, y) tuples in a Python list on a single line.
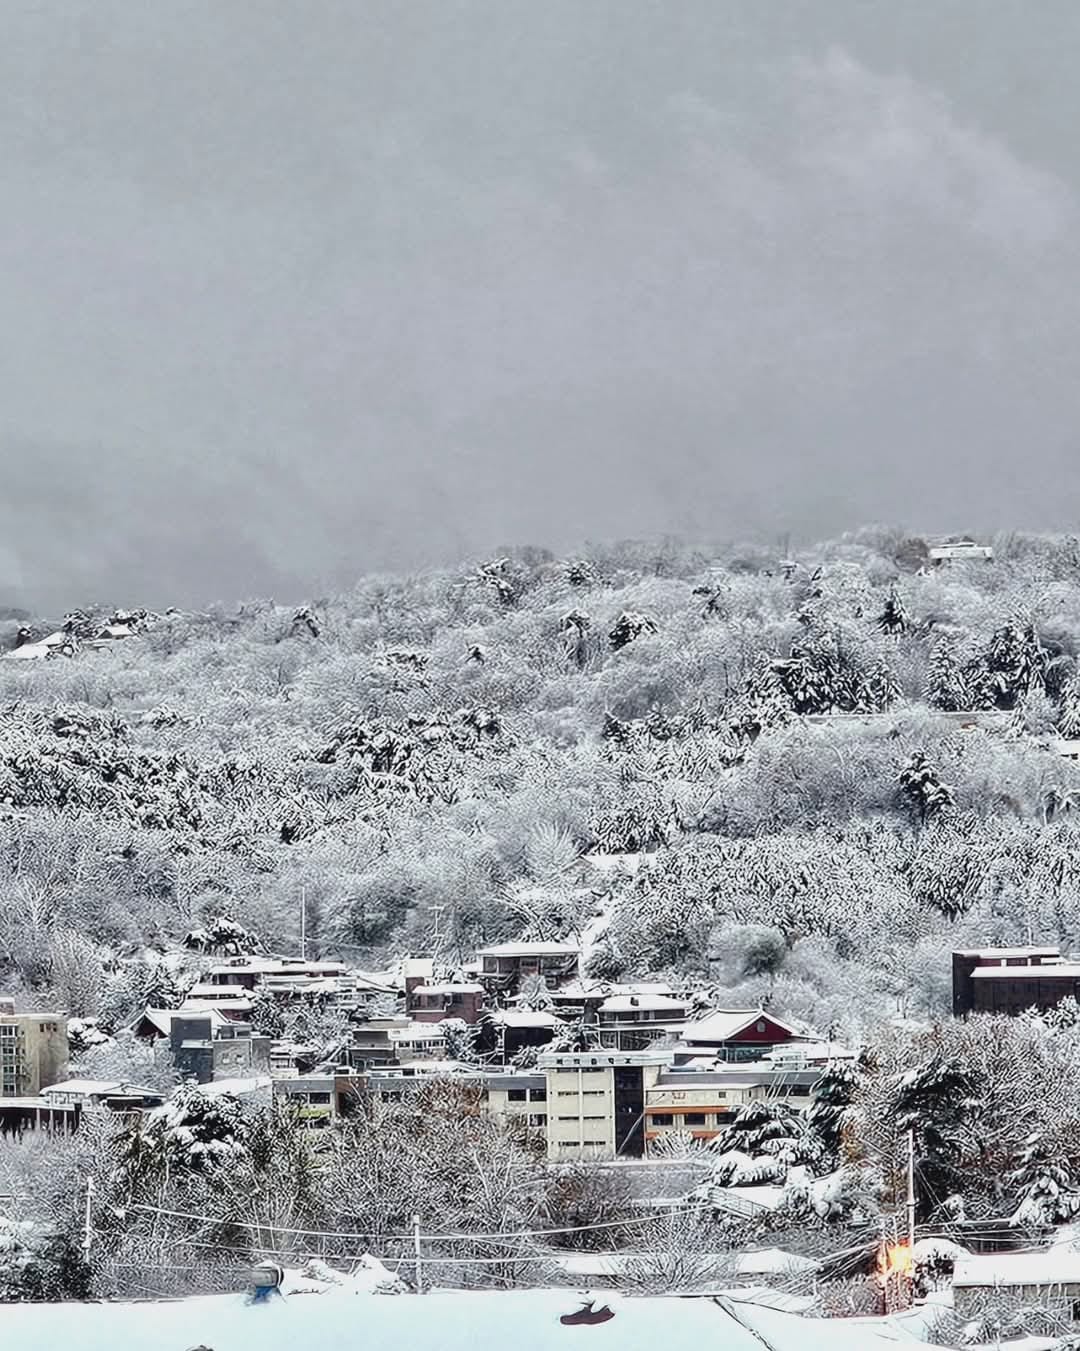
[(441, 1320)]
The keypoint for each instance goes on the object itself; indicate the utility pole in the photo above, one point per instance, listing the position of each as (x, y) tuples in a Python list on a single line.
[(418, 1255), (303, 924), (911, 1199), (88, 1228)]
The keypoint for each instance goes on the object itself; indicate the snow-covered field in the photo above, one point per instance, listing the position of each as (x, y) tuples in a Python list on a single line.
[(527, 1320)]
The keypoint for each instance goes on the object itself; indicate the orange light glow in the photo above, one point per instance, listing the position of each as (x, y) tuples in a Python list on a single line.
[(895, 1260)]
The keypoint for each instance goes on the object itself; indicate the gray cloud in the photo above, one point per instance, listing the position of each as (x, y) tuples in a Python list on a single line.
[(294, 291)]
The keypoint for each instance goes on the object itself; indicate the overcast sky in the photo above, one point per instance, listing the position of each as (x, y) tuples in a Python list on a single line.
[(298, 288)]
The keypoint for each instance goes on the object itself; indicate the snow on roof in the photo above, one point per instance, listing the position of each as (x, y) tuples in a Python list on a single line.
[(526, 1018), (162, 1018), (1054, 970), (1053, 1266), (452, 1320), (723, 1024), (630, 1003), (1007, 952), (418, 1032), (89, 1088), (761, 1262), (469, 988), (240, 1088), (528, 949), (27, 652), (603, 989)]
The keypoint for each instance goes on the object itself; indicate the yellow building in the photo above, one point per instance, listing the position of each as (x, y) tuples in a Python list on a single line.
[(33, 1051)]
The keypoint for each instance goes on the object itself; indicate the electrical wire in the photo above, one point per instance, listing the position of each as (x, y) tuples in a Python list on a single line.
[(509, 1234)]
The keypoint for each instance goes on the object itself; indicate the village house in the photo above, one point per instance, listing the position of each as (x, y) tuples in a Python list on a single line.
[(204, 1049), (1048, 1280), (960, 551), (33, 1050), (1011, 980), (506, 966), (115, 1094), (735, 1035), (432, 1003), (631, 1022)]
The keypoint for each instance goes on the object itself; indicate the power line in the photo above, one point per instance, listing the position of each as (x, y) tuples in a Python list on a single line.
[(434, 1237)]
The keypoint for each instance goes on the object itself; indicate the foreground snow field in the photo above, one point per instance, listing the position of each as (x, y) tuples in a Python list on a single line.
[(527, 1320)]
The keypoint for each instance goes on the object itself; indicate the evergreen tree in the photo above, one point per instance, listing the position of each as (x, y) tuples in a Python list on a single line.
[(833, 1096), (936, 1101), (1068, 723), (629, 626), (893, 619), (946, 688), (1044, 1186), (878, 689), (922, 789)]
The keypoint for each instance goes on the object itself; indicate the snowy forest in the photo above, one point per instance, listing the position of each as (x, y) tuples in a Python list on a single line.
[(794, 777)]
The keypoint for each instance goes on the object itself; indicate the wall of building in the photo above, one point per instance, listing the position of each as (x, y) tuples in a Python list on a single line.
[(581, 1113), (33, 1053)]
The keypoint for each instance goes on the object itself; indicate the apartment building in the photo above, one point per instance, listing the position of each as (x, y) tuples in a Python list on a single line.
[(596, 1101), (33, 1051), (703, 1102)]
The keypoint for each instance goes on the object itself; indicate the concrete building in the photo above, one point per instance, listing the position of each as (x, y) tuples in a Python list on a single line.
[(33, 1051), (1010, 980), (204, 1049), (596, 1101)]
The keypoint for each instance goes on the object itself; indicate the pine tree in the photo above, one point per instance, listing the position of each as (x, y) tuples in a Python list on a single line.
[(627, 627), (1045, 1189), (1068, 723), (936, 1101), (945, 685), (878, 689), (893, 619), (833, 1096), (922, 789)]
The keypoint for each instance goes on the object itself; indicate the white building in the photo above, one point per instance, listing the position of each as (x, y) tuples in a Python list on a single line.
[(596, 1101)]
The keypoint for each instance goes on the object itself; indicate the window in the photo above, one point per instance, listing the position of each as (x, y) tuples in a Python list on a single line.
[(695, 1118), (601, 1117), (593, 1093), (761, 1027), (455, 1000), (569, 1118), (516, 1095), (537, 1118), (662, 1119), (538, 1095), (321, 1099)]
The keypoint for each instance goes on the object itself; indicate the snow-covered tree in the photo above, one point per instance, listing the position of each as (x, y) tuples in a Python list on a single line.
[(893, 618), (1044, 1185), (629, 626), (922, 789), (833, 1098)]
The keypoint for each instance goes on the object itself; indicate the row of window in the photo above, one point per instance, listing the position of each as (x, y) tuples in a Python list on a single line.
[(527, 1095)]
